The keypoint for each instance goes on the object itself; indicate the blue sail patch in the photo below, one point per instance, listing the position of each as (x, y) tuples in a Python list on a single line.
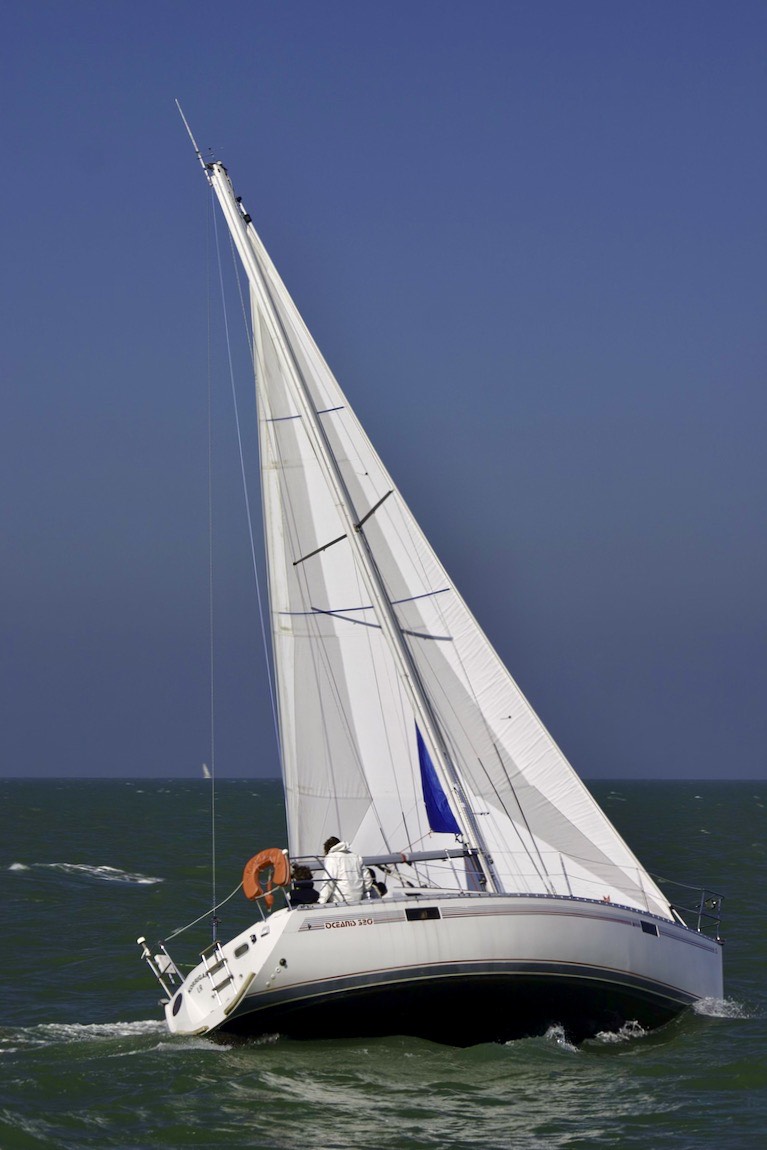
[(441, 818)]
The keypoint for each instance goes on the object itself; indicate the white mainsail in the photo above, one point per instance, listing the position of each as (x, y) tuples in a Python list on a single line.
[(348, 694)]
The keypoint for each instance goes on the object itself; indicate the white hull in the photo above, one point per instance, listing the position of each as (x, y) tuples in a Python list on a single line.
[(455, 968)]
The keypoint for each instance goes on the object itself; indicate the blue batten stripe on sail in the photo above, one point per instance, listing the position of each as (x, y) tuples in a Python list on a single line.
[(441, 818)]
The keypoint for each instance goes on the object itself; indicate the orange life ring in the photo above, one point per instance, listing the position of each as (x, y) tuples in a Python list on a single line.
[(280, 867)]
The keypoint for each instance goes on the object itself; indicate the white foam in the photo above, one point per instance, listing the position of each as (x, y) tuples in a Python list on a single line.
[(721, 1008), (49, 1033), (85, 870), (557, 1035), (180, 1045), (627, 1033)]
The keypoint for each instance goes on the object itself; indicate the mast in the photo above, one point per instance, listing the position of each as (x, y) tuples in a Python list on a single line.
[(238, 221)]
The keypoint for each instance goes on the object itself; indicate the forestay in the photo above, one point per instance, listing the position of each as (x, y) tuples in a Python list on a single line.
[(349, 736)]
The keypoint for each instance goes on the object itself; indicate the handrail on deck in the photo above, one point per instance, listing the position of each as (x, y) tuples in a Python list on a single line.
[(706, 912)]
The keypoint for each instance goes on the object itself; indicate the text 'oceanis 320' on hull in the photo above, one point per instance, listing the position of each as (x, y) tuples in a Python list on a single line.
[(471, 888)]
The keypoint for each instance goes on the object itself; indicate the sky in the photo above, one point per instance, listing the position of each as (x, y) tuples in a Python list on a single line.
[(530, 240)]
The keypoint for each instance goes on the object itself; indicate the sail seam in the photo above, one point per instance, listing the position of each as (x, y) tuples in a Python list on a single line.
[(367, 606)]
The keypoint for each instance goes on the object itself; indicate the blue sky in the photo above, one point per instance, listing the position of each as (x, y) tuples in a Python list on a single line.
[(529, 238)]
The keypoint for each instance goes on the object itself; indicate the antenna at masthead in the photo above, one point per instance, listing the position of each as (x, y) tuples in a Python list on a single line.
[(191, 137)]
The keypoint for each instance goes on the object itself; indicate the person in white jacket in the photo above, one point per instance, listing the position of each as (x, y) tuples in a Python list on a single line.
[(347, 879)]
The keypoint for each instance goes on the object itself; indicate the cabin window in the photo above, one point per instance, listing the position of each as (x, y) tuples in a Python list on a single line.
[(650, 928), (243, 948), (177, 1004), (422, 913)]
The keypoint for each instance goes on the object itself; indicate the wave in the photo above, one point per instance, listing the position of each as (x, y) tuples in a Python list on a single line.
[(87, 1031), (118, 1039), (557, 1035), (84, 870), (66, 1033), (46, 1035)]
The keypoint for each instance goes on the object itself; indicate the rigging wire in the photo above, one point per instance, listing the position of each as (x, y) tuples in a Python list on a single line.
[(246, 491), (181, 929), (211, 584), (250, 340), (211, 616)]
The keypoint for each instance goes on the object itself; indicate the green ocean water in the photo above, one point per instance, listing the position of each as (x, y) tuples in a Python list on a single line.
[(85, 1061)]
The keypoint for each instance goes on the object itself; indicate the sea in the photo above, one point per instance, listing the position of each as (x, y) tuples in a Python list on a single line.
[(88, 866)]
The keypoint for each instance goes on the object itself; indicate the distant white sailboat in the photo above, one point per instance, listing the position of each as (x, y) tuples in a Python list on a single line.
[(511, 902), (205, 771)]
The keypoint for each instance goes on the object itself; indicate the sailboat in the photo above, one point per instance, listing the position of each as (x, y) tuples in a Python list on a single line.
[(498, 899)]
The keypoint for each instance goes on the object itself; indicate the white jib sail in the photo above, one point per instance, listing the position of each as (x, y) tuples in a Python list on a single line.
[(347, 723)]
